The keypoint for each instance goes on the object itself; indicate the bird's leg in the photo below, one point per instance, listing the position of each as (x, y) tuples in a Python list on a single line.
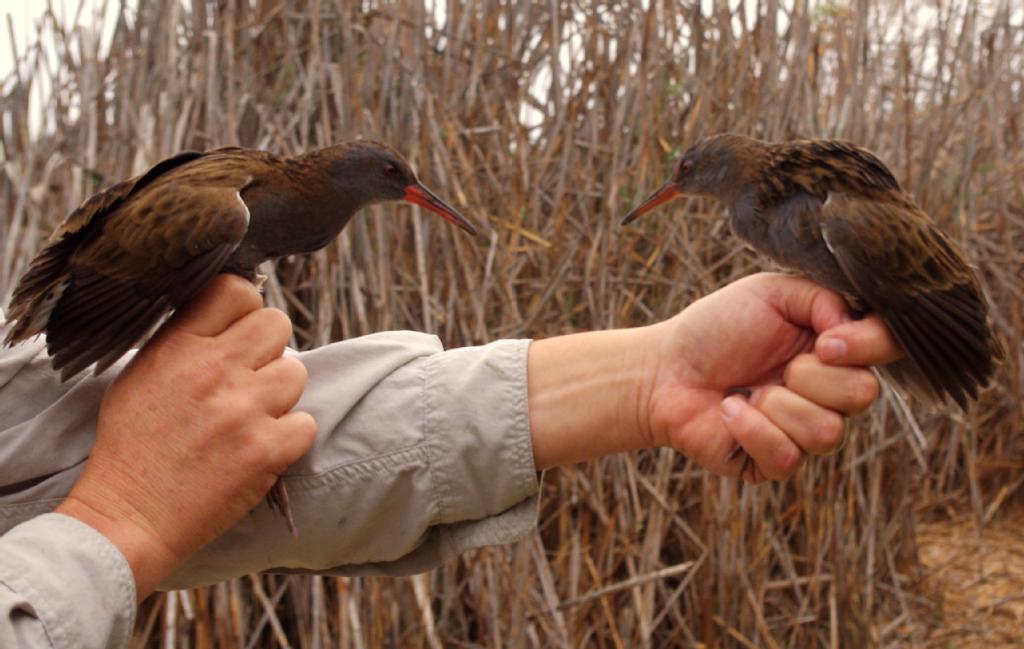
[(277, 500), (748, 462)]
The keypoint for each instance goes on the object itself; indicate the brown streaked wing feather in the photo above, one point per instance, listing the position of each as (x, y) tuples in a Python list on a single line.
[(918, 280), (38, 289), (156, 252), (823, 166), (101, 203)]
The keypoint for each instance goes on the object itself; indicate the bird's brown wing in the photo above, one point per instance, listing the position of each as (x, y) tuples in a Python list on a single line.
[(918, 280), (37, 290), (153, 253)]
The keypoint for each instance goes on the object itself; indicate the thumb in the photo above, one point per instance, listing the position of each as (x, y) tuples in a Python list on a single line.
[(806, 304)]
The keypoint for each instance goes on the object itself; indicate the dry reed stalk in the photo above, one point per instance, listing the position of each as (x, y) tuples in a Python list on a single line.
[(545, 121)]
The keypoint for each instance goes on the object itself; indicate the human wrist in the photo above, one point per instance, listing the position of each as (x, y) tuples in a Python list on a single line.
[(587, 394), (146, 553), (677, 392)]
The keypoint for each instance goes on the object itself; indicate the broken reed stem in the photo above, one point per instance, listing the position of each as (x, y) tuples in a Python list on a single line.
[(671, 571)]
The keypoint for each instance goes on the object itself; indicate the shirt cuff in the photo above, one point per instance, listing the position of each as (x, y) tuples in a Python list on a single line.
[(481, 452), (72, 579)]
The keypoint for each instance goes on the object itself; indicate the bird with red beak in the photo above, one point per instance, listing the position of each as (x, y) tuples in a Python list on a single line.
[(143, 247), (136, 251), (835, 213)]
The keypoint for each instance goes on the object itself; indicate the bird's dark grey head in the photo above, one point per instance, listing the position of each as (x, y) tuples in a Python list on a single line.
[(366, 172), (372, 171), (709, 168), (716, 166)]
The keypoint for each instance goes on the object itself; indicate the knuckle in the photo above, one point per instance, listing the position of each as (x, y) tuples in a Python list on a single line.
[(304, 421), (262, 437), (769, 398), (864, 390), (277, 320), (207, 370), (232, 416), (304, 428), (797, 368), (800, 374), (786, 463), (236, 287), (274, 329), (246, 403), (295, 371), (237, 403), (259, 453), (830, 431)]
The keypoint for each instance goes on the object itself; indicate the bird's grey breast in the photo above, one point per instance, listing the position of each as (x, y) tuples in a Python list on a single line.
[(789, 232)]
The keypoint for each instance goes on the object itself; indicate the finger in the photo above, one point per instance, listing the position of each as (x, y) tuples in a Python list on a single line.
[(293, 436), (257, 338), (803, 302), (815, 429), (224, 300), (774, 453), (862, 342), (848, 390), (283, 381)]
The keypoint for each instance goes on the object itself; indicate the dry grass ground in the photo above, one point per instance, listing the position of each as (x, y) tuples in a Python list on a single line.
[(544, 122), (977, 576)]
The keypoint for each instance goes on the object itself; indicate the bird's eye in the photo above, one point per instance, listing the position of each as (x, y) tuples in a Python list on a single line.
[(391, 170), (686, 167)]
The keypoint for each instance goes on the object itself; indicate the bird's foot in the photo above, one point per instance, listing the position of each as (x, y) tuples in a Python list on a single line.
[(277, 500), (748, 462)]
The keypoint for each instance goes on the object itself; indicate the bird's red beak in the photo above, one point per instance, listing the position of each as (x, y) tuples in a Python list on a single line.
[(667, 192), (417, 194)]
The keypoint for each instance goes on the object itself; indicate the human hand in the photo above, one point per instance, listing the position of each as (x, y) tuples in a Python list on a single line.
[(758, 333), (194, 431)]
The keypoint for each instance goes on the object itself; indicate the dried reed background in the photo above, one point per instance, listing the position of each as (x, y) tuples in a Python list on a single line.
[(545, 121)]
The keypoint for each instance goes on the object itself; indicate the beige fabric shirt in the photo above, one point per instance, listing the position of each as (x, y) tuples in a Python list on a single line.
[(420, 454)]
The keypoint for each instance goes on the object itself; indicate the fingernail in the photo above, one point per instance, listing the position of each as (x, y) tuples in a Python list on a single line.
[(730, 407), (832, 349)]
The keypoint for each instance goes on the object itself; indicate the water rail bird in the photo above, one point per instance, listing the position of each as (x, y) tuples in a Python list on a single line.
[(136, 251), (834, 212)]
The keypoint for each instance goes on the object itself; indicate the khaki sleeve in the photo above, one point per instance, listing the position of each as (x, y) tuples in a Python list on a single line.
[(420, 454), (63, 585)]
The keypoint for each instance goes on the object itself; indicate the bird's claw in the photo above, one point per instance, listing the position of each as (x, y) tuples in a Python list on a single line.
[(748, 462), (277, 500)]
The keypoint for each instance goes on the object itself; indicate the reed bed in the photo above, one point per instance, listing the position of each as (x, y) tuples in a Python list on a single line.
[(546, 121)]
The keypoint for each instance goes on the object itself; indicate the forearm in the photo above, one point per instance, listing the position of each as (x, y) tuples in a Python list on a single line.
[(588, 394), (434, 437)]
